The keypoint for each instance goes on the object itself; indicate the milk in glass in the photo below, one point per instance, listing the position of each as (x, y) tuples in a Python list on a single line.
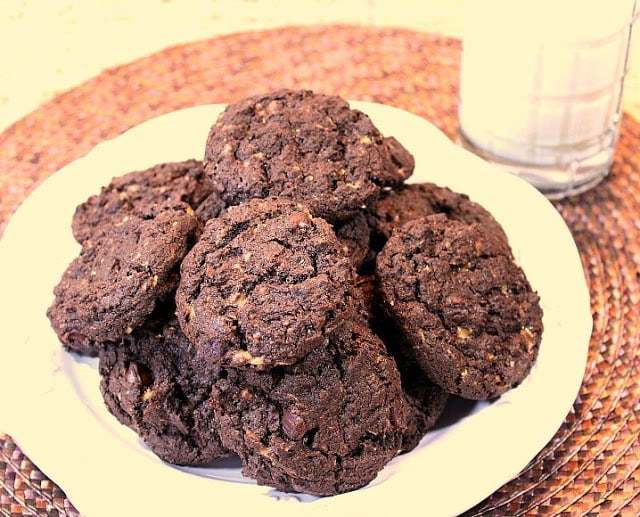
[(541, 87)]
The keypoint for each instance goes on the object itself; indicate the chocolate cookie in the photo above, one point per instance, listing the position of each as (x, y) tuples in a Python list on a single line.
[(144, 193), (151, 383), (264, 285), (325, 425), (353, 235), (210, 207), (425, 401), (467, 311), (401, 157), (120, 273), (363, 298), (301, 145), (413, 200)]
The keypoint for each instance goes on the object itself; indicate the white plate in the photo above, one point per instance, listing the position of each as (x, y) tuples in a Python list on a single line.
[(52, 407)]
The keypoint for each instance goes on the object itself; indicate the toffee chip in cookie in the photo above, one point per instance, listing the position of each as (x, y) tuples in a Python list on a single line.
[(144, 193), (264, 286), (119, 275), (151, 383), (324, 425), (305, 146), (468, 314)]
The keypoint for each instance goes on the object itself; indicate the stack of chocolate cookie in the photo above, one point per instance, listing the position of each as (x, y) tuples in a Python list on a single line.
[(291, 300)]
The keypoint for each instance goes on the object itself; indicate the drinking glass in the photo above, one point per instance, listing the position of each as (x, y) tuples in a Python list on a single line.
[(541, 87)]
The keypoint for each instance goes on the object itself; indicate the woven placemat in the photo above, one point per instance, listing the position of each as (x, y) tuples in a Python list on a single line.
[(591, 466)]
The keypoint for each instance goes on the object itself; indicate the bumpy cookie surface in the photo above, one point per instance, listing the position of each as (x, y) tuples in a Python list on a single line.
[(264, 285), (413, 200), (304, 146), (150, 383), (401, 157), (353, 236), (144, 193), (325, 425), (425, 400), (119, 275), (467, 311)]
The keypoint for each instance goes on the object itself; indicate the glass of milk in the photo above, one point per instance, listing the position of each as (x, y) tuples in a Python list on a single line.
[(541, 87)]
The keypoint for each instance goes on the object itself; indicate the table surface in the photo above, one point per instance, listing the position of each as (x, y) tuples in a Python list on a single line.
[(61, 62)]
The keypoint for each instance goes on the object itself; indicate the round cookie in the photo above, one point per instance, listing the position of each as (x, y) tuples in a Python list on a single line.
[(210, 207), (325, 425), (363, 296), (401, 157), (413, 200), (150, 383), (353, 235), (120, 273), (144, 193), (425, 401), (308, 147), (265, 284), (465, 308)]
